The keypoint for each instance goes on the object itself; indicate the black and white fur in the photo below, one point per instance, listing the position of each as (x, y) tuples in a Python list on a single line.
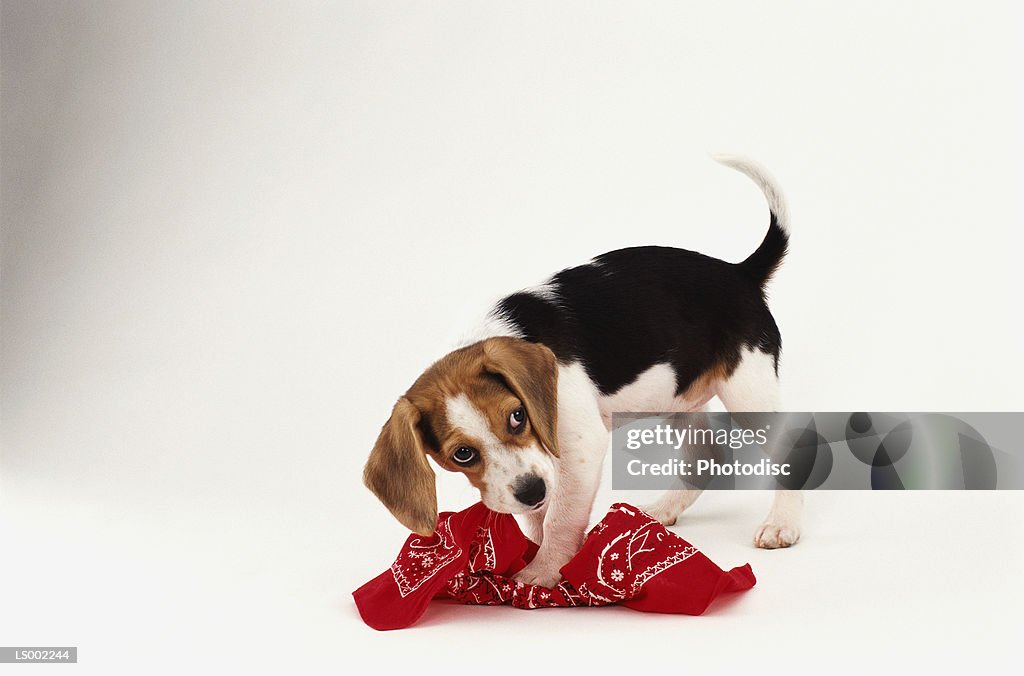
[(632, 331)]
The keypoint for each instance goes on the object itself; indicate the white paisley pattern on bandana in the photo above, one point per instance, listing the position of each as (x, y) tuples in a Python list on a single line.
[(640, 550), (424, 558), (634, 556)]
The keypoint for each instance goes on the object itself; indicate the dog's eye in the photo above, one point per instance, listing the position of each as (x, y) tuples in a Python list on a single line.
[(464, 455), (516, 419)]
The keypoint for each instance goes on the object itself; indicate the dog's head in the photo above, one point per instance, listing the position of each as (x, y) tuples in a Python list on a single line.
[(488, 410)]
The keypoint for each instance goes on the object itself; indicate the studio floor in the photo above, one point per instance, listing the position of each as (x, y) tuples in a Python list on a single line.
[(902, 580)]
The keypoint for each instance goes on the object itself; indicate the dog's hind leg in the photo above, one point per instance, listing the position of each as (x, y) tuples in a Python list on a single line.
[(670, 504), (754, 387)]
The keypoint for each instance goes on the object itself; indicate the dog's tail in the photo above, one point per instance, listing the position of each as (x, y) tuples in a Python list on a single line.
[(763, 263)]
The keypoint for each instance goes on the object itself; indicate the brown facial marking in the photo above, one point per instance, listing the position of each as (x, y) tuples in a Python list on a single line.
[(530, 372), (488, 373)]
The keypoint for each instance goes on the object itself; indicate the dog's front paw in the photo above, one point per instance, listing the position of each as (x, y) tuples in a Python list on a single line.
[(774, 535), (540, 573)]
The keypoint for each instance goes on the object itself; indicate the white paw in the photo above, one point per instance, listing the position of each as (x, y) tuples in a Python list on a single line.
[(663, 515), (773, 535), (539, 573)]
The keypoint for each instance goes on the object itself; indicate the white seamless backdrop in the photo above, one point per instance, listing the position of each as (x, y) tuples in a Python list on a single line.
[(234, 233)]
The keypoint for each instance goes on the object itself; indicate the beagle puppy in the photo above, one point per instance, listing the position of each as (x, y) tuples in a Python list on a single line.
[(524, 409)]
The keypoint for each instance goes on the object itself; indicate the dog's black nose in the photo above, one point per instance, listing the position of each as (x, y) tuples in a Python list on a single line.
[(530, 490)]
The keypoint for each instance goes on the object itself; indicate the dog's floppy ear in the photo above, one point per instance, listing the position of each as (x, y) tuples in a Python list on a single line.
[(398, 471), (530, 371)]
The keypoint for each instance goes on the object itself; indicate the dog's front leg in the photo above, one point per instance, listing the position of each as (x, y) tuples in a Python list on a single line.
[(583, 441), (533, 525), (564, 523)]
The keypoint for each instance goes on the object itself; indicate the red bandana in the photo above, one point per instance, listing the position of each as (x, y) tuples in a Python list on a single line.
[(627, 558)]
